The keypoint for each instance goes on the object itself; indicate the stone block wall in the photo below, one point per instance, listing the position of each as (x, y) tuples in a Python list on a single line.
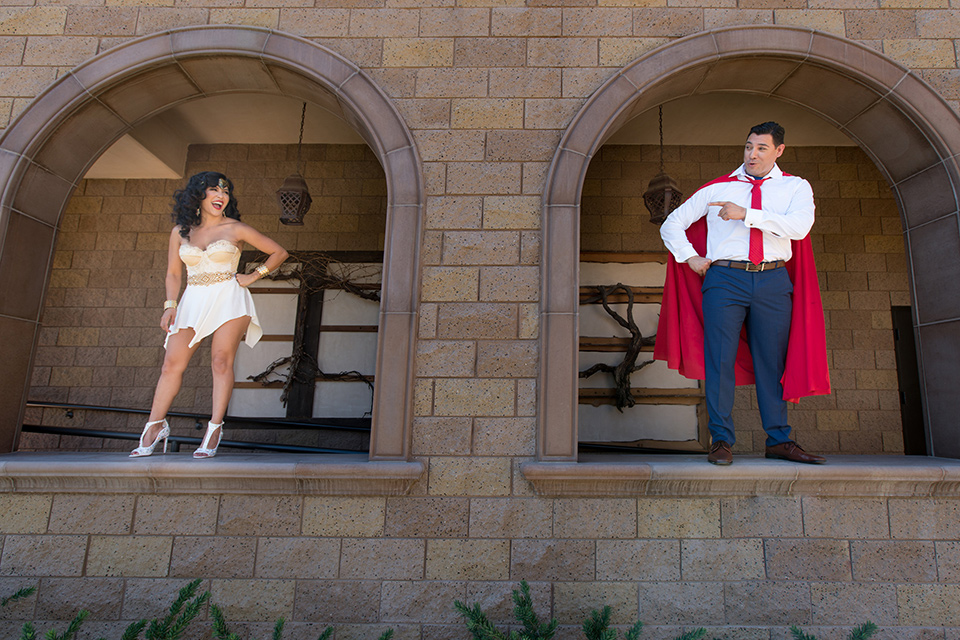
[(858, 245), (102, 344), (744, 567)]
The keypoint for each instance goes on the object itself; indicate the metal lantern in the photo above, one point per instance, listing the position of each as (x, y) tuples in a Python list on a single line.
[(294, 199), (662, 195), (293, 195)]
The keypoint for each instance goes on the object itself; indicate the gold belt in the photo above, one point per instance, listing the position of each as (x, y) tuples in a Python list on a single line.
[(205, 279)]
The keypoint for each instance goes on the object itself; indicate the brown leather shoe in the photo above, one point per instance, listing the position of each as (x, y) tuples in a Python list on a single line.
[(794, 453), (720, 453)]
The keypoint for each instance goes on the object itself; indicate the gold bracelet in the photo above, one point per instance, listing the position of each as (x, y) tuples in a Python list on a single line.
[(169, 304), (263, 270)]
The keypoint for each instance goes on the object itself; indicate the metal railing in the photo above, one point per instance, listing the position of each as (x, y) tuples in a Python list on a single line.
[(355, 425)]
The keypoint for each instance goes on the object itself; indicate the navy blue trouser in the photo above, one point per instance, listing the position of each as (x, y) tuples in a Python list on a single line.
[(762, 301)]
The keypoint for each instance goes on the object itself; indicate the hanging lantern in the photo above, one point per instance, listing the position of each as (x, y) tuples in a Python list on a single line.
[(293, 195), (662, 195)]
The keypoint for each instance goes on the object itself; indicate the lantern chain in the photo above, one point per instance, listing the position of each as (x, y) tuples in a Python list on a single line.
[(303, 117)]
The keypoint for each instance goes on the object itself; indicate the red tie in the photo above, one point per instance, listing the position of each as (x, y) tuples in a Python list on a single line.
[(755, 253)]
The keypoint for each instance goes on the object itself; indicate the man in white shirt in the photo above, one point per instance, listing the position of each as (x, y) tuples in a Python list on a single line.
[(752, 216)]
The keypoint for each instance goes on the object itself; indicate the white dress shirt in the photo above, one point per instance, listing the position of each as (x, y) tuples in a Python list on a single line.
[(787, 214)]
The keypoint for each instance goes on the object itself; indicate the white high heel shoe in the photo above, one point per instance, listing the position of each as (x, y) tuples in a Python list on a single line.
[(204, 451), (143, 451)]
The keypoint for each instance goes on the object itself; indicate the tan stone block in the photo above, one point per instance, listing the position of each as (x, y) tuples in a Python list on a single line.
[(838, 420), (935, 24), (845, 518), (315, 22), (323, 601), (716, 18), (426, 113), (342, 516), (924, 519), (58, 51), (427, 517), (505, 437), (450, 284), (418, 52), (24, 512), (451, 146), (450, 83), (633, 560), (481, 247), (921, 605), (877, 379), (423, 398), (257, 600), (562, 52), (446, 358), (421, 601), (595, 21), (477, 321), (39, 21), (79, 513), (529, 321), (382, 559), (118, 21), (511, 212), (595, 518), (573, 601), (827, 20), (743, 559), (11, 55), (916, 53), (526, 21), (518, 82), (511, 518), (550, 114), (451, 476), (808, 559), (507, 359), (678, 518), (162, 514), (914, 4), (555, 560), (213, 557), (78, 337), (298, 558), (268, 18), (687, 603), (473, 397), (153, 19), (509, 284), (468, 559), (384, 23), (427, 322), (456, 212), (431, 248), (838, 603), (441, 436), (43, 555), (62, 598), (617, 52), (947, 567), (761, 516), (908, 560), (486, 113), (766, 602), (527, 397), (242, 515), (129, 556), (455, 22)]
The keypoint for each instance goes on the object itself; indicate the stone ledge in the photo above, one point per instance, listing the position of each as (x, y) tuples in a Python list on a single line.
[(261, 473), (600, 475)]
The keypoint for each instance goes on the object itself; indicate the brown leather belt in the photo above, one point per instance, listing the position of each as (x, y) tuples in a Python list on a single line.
[(746, 265)]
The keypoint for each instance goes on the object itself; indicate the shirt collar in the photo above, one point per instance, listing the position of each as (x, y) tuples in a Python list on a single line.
[(774, 174)]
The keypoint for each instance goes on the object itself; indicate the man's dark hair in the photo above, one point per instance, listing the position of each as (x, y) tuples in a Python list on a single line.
[(769, 128)]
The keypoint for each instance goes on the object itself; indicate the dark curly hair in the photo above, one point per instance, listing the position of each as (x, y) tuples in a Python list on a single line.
[(186, 201)]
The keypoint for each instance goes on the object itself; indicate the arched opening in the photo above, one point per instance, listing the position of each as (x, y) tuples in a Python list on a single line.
[(60, 135), (910, 134)]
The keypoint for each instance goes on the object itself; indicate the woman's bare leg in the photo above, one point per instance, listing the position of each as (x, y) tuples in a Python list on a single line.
[(223, 352), (175, 361)]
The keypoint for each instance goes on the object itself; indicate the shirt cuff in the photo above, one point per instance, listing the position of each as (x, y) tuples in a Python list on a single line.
[(683, 257), (752, 217)]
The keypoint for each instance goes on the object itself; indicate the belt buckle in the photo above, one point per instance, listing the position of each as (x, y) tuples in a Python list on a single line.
[(754, 268)]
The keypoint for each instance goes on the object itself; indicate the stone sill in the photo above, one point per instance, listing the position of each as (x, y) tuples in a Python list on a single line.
[(615, 475), (256, 473)]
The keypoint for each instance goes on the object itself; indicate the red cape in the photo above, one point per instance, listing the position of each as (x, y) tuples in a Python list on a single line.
[(680, 329)]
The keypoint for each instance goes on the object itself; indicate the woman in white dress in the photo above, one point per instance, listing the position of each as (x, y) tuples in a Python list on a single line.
[(207, 238)]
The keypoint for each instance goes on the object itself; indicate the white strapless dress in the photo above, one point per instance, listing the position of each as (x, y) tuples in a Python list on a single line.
[(213, 296)]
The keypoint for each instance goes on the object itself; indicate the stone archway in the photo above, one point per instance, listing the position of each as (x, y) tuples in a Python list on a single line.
[(899, 121), (47, 150)]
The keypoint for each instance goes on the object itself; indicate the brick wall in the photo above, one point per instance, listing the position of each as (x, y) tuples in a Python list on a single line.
[(101, 342), (858, 245)]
